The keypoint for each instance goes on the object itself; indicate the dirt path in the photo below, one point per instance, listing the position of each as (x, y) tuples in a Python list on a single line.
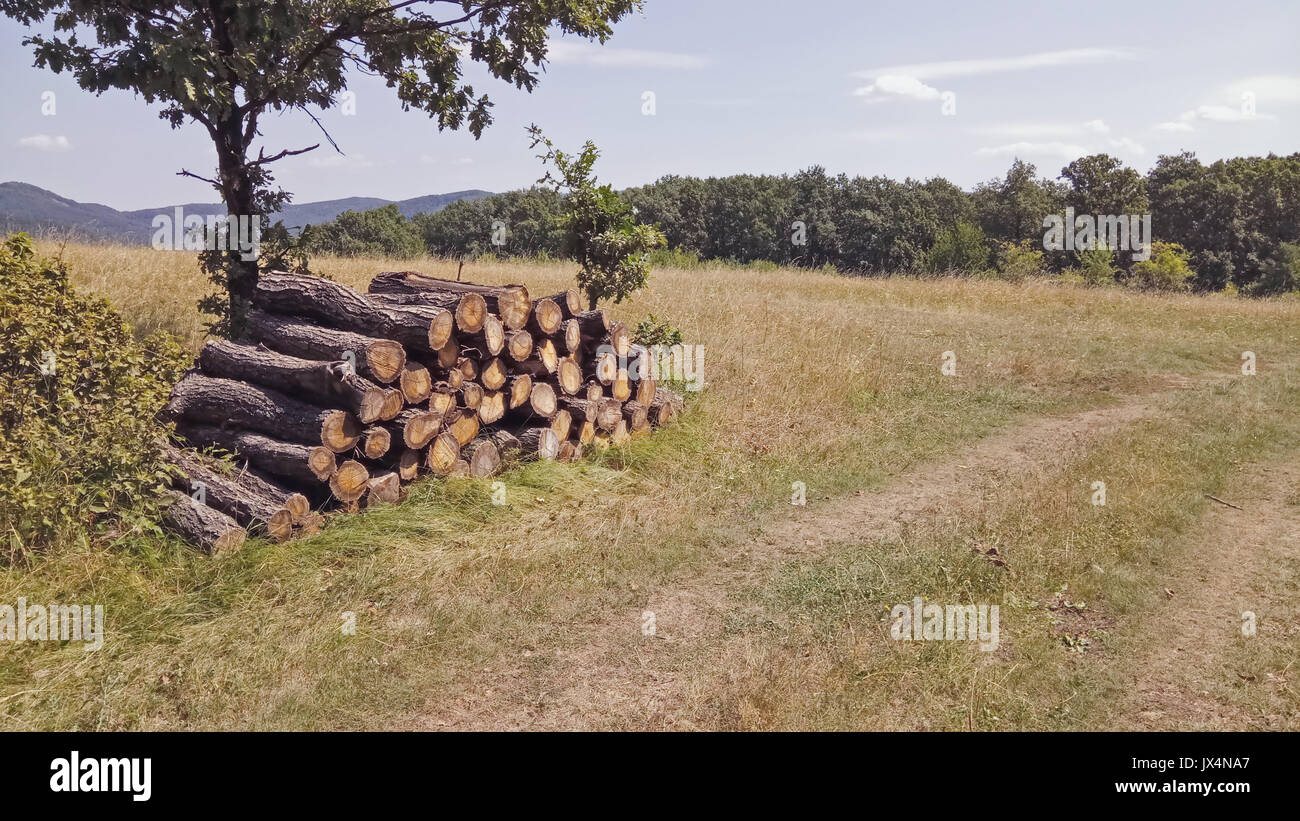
[(608, 673), (1194, 671)]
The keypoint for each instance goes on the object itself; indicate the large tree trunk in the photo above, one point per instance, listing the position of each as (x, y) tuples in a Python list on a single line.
[(213, 401), (328, 384), (423, 327), (205, 527), (377, 359), (510, 302), (470, 310)]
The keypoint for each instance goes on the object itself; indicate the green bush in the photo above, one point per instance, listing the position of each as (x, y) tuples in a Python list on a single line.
[(1018, 260), (1097, 266), (959, 248), (655, 331), (79, 444), (1166, 270)]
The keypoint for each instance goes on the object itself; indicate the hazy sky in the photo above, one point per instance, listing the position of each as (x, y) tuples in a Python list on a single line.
[(745, 86)]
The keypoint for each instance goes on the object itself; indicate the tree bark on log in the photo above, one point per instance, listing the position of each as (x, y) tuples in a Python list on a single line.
[(424, 327), (538, 443), (213, 401), (326, 384), (252, 502), (301, 464), (569, 302), (594, 324), (378, 359), (468, 309), (206, 528), (510, 302), (483, 457), (416, 428)]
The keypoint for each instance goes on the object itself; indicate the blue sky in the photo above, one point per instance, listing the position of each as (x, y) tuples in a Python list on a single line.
[(745, 86)]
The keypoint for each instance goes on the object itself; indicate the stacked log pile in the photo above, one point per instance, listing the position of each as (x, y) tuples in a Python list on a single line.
[(342, 399)]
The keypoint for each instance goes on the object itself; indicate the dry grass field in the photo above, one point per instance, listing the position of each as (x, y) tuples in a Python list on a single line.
[(975, 488)]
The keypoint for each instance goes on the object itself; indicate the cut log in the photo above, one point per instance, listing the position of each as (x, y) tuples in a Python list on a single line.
[(543, 361), (493, 407), (620, 338), (206, 528), (571, 335), (298, 463), (645, 391), (565, 454), (416, 428), (471, 395), (510, 302), (520, 388), (485, 343), (605, 413), (376, 441), (468, 367), (483, 457), (443, 398), (443, 454), (252, 502), (542, 400), (209, 400), (538, 443), (594, 324), (459, 470), (449, 354), (386, 487), (416, 383), (378, 359), (507, 444), (568, 375), (424, 327), (618, 434), (569, 302), (519, 344), (350, 481), (664, 406), (546, 318), (593, 391), (327, 384), (637, 416), (561, 423), (586, 432), (469, 309), (465, 428), (493, 375), (621, 387), (406, 462), (604, 366)]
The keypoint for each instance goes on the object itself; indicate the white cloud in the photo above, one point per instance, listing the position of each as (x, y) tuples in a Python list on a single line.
[(965, 68), (1174, 125), (344, 162), (1125, 145), (44, 142), (1030, 131), (563, 52), (1266, 88), (1069, 151), (898, 85)]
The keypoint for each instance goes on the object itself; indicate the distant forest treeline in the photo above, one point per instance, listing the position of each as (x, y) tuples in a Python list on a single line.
[(1234, 223)]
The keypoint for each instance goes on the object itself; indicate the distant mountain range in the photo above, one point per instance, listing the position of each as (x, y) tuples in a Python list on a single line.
[(25, 207)]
